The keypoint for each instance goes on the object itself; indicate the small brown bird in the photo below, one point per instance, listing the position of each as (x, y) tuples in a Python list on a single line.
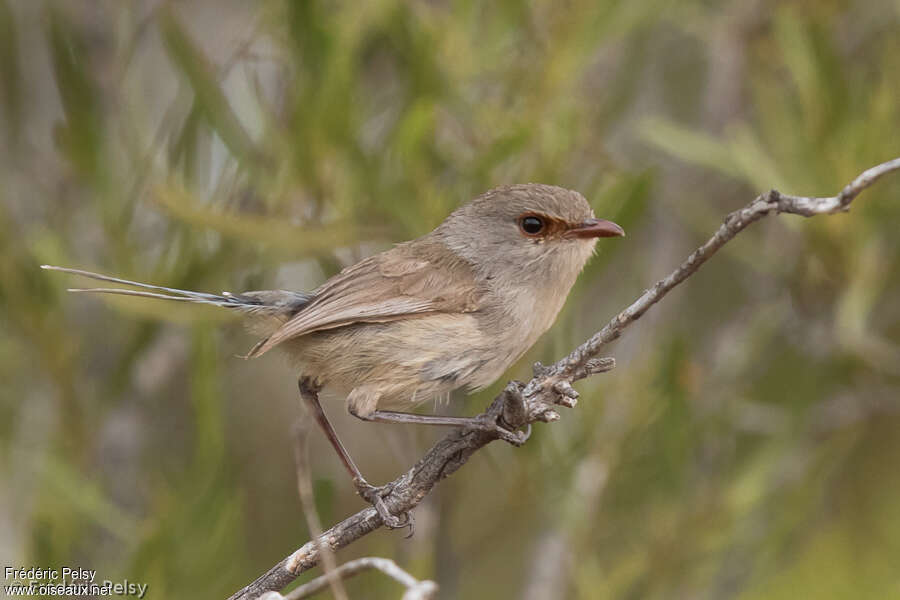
[(452, 309)]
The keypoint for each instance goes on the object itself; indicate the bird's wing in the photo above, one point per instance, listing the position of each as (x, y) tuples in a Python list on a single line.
[(412, 279)]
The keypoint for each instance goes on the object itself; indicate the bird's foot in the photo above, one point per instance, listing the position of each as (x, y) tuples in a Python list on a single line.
[(492, 423), (375, 496)]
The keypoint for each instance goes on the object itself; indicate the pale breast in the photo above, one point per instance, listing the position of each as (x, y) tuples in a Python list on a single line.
[(400, 363)]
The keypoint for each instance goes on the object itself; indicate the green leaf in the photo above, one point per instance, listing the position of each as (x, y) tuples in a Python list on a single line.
[(10, 75), (270, 231), (689, 145), (201, 76), (80, 137)]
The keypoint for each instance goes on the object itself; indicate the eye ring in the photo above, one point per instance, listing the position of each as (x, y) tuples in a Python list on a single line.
[(531, 225)]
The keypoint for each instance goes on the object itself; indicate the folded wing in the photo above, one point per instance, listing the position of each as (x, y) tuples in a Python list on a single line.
[(412, 279)]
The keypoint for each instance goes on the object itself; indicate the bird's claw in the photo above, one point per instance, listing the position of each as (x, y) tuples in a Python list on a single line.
[(491, 424), (375, 496)]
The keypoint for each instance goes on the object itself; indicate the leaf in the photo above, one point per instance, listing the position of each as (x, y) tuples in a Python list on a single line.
[(754, 161), (10, 75), (80, 138), (688, 145), (201, 76), (272, 232)]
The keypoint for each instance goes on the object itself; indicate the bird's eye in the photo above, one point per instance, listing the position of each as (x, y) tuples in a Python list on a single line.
[(531, 225)]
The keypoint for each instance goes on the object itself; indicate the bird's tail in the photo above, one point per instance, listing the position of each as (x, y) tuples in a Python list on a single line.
[(264, 303)]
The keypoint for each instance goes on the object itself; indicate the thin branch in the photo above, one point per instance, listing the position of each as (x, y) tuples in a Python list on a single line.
[(520, 405), (314, 524), (415, 589), (734, 223)]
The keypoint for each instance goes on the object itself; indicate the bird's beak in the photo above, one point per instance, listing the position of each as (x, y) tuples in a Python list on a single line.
[(596, 228)]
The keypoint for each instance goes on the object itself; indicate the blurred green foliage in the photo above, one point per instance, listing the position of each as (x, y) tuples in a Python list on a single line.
[(745, 446)]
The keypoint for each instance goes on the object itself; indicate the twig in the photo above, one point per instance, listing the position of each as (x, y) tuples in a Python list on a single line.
[(520, 405), (415, 589), (733, 224), (314, 524)]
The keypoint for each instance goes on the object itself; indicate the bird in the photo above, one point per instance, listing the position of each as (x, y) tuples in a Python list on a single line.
[(453, 309)]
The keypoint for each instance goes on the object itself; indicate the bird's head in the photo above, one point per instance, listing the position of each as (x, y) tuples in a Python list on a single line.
[(527, 232)]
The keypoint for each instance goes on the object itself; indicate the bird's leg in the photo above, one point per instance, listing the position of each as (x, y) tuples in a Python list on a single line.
[(309, 392), (484, 422)]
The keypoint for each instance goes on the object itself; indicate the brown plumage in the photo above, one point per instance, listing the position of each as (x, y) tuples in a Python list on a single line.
[(452, 309)]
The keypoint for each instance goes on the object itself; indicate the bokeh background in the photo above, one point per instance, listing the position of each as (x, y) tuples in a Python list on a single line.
[(748, 444)]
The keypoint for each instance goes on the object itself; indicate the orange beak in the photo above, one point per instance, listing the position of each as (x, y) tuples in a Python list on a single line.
[(596, 228)]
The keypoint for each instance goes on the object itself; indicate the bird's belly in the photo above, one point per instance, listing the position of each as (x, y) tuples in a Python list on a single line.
[(399, 364)]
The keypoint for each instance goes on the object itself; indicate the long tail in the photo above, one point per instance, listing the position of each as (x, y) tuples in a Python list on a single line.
[(273, 302)]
